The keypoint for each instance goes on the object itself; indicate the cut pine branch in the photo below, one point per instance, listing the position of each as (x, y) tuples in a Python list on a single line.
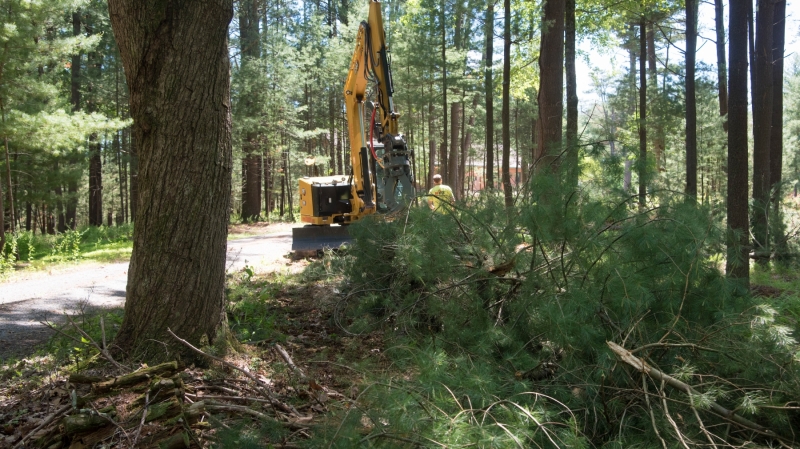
[(626, 356)]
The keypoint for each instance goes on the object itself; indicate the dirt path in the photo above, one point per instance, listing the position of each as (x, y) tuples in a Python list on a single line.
[(31, 297)]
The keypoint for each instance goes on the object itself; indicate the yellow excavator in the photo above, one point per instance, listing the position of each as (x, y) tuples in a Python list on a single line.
[(381, 177)]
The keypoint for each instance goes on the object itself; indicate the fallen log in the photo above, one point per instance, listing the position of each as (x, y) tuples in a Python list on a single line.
[(82, 423), (135, 377), (78, 378)]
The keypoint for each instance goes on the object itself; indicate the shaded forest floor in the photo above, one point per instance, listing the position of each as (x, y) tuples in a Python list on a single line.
[(287, 310)]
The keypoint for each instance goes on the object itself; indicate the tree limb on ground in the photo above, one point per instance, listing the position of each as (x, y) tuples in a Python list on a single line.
[(626, 356)]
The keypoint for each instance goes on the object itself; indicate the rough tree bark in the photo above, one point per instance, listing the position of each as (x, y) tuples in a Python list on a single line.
[(488, 85), (762, 122), (75, 100), (2, 220), (93, 63), (455, 127), (642, 114), (175, 55), (572, 93), (443, 160), (722, 67), (551, 84), (691, 101), (251, 160), (505, 113), (776, 137), (737, 261)]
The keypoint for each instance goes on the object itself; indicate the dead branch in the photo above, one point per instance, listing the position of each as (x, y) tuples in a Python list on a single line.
[(263, 387), (229, 398), (44, 424), (289, 362), (141, 422), (102, 349), (210, 405), (730, 415), (103, 352)]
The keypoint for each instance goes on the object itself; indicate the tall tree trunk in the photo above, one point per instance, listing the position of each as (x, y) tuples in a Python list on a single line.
[(572, 94), (642, 114), (737, 262), (443, 163), (488, 84), (75, 101), (11, 218), (250, 43), (182, 134), (465, 146), (455, 126), (722, 67), (551, 103), (431, 145), (95, 182), (762, 122), (508, 193), (94, 62), (655, 127), (2, 222), (691, 101), (332, 134), (59, 191), (776, 136), (627, 180)]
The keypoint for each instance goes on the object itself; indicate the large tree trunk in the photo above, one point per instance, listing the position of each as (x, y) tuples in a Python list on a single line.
[(737, 262), (642, 114), (488, 84), (133, 174), (691, 101), (551, 85), (176, 62), (508, 193), (762, 122), (776, 136), (572, 94), (722, 67)]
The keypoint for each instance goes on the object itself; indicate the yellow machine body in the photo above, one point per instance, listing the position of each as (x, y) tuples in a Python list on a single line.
[(344, 199)]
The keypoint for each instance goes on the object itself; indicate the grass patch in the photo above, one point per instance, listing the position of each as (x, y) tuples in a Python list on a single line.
[(35, 251)]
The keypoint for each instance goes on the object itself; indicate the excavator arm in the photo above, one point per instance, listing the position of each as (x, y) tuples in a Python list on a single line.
[(381, 179)]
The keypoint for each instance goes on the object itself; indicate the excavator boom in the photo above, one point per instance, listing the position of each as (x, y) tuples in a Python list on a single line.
[(381, 177)]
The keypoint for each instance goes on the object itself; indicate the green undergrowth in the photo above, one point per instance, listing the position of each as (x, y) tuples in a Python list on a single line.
[(100, 244), (497, 323)]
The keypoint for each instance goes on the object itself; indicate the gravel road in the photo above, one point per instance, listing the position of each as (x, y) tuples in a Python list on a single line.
[(31, 297)]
